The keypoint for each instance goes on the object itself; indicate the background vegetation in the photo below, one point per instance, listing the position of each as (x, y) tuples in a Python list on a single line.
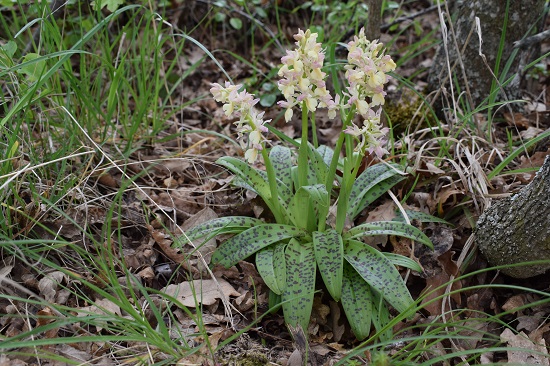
[(107, 148)]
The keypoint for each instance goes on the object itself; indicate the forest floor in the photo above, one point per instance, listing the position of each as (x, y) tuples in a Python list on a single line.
[(84, 268)]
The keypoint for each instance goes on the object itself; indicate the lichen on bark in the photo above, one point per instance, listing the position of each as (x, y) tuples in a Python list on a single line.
[(517, 229)]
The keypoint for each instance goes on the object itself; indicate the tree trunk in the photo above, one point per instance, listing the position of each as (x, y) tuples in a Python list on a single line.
[(468, 68), (375, 18), (517, 229)]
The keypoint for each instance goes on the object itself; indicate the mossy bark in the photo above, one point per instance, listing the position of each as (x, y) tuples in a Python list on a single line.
[(517, 229), (470, 74)]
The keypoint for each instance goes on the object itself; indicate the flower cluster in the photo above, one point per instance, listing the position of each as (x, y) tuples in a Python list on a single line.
[(241, 104), (371, 135), (302, 78), (366, 75)]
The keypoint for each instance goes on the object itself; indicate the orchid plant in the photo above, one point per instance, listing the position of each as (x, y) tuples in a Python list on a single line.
[(313, 206)]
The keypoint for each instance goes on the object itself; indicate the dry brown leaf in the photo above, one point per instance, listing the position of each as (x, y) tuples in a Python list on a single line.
[(45, 317), (73, 354), (530, 133), (443, 196), (434, 289), (100, 307), (165, 243), (531, 323), (244, 302), (383, 212), (533, 354), (4, 272), (335, 314), (471, 332), (204, 249), (433, 169), (49, 283), (107, 180), (424, 201), (6, 361), (513, 303), (206, 292), (516, 119), (170, 182), (534, 161)]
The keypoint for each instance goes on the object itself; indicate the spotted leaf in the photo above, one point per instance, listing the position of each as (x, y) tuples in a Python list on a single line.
[(300, 283), (357, 301), (381, 317), (378, 272), (388, 228), (256, 181), (419, 216), (251, 240), (281, 159), (401, 260), (329, 254), (318, 166), (371, 184), (270, 262), (222, 225), (309, 204), (252, 176), (326, 153)]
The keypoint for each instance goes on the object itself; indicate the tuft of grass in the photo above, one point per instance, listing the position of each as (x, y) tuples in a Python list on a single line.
[(96, 88), (81, 94)]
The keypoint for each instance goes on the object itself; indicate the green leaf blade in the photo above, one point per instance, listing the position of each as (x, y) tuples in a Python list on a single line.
[(357, 301), (270, 263), (309, 204), (389, 228), (221, 225), (371, 184), (420, 216), (401, 260), (329, 254), (379, 273), (281, 159), (300, 287), (256, 181), (252, 240)]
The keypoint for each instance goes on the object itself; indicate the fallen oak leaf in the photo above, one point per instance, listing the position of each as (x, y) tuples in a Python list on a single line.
[(206, 248), (165, 243), (100, 307), (532, 353), (49, 284), (206, 292)]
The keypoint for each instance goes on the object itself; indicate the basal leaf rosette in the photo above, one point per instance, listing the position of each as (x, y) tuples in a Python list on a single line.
[(300, 189)]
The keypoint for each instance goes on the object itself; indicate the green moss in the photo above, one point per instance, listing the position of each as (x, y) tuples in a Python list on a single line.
[(405, 111)]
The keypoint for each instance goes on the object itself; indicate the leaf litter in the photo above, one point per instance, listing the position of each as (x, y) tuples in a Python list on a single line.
[(183, 187)]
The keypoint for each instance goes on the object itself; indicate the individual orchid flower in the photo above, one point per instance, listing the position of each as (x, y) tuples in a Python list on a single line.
[(302, 79), (370, 135), (241, 104)]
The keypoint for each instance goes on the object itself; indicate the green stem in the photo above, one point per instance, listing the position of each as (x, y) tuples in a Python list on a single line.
[(343, 196), (339, 143), (334, 163), (303, 151), (272, 179), (314, 131)]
